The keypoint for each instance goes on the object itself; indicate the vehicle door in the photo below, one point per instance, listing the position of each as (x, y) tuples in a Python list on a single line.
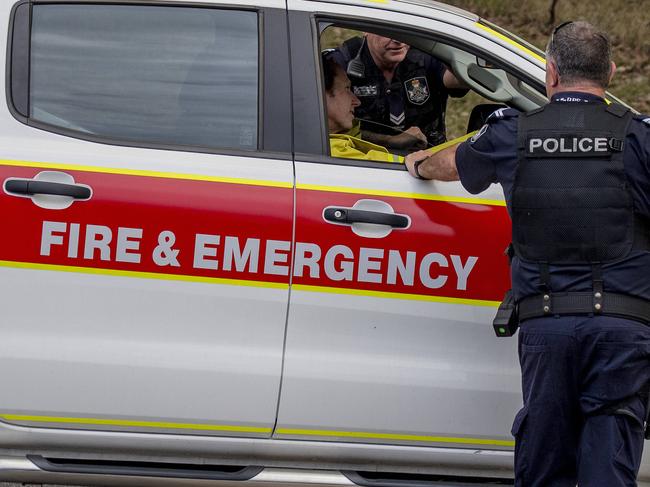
[(147, 206), (389, 336)]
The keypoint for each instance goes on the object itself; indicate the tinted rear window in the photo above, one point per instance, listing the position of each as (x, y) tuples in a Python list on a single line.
[(168, 75)]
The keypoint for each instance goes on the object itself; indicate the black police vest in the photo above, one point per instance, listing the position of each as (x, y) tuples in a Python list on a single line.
[(429, 115), (571, 200)]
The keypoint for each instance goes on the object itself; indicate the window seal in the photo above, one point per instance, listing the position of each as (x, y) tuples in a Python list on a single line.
[(17, 72), (318, 19)]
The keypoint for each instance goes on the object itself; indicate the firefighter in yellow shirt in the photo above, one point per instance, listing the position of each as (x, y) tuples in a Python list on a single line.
[(345, 137)]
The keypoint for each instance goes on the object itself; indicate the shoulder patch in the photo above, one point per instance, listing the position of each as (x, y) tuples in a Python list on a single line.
[(646, 121), (501, 114)]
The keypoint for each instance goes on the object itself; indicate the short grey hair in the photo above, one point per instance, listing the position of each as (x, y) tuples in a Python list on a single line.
[(581, 53)]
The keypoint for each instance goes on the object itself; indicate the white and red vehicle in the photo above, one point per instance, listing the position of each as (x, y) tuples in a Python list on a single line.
[(182, 303)]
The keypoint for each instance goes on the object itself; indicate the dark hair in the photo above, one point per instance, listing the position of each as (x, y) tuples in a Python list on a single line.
[(329, 70), (581, 53)]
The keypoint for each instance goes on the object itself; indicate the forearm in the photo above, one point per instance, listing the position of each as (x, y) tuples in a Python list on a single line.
[(451, 82), (376, 138), (440, 166)]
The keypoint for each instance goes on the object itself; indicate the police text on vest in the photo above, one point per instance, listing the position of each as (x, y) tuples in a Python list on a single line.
[(567, 145)]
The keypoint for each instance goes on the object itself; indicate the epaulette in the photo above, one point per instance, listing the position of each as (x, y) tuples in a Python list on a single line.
[(502, 114), (617, 109), (643, 118)]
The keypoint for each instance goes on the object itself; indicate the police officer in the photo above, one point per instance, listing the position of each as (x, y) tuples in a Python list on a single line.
[(402, 90), (576, 178)]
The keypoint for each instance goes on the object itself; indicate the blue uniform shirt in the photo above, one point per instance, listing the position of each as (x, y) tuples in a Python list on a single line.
[(491, 157)]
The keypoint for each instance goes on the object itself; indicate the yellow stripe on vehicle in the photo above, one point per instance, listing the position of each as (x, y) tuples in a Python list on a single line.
[(243, 282), (131, 423), (142, 275), (396, 437), (251, 182), (398, 194), (510, 41), (388, 295), (23, 418), (145, 173)]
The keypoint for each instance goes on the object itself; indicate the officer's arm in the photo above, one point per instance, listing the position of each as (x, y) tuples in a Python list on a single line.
[(451, 82), (409, 138), (440, 166)]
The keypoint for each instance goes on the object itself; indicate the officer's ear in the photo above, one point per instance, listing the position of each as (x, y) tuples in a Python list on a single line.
[(612, 71), (552, 76)]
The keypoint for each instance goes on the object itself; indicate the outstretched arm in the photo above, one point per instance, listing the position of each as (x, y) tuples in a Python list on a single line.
[(438, 162), (440, 166)]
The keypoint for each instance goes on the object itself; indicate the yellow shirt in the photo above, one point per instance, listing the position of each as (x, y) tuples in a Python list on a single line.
[(348, 147)]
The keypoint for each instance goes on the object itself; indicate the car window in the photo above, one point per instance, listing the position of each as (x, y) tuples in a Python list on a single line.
[(151, 74), (378, 118), (488, 86)]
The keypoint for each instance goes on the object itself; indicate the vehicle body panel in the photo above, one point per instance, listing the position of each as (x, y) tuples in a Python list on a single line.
[(329, 346)]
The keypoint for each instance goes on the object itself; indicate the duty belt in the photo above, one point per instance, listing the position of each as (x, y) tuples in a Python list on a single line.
[(577, 303)]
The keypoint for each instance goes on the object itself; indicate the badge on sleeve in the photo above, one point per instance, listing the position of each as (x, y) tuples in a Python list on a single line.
[(417, 90)]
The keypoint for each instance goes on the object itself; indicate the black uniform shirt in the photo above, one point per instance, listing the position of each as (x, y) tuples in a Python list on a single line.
[(416, 96), (491, 157)]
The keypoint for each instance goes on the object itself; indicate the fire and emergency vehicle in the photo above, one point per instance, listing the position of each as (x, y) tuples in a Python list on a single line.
[(195, 292)]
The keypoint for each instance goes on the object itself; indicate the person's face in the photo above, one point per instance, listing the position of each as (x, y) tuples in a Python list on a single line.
[(341, 103), (386, 52)]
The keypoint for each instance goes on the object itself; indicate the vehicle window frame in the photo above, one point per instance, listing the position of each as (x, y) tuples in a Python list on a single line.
[(18, 69), (321, 21)]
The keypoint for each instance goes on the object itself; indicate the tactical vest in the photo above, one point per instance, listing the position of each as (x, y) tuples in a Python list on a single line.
[(428, 115), (571, 200), (572, 205)]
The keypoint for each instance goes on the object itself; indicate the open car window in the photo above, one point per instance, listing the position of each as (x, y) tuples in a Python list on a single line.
[(492, 82)]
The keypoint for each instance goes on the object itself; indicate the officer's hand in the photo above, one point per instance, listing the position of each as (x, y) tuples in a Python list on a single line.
[(411, 138), (411, 160)]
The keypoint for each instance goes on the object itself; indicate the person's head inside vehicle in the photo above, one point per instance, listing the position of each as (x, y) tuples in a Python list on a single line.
[(340, 101), (386, 52), (578, 55)]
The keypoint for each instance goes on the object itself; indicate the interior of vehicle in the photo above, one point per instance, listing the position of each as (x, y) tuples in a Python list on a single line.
[(492, 84)]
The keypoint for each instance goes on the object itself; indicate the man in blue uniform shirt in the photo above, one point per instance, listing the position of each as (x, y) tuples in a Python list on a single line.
[(576, 178), (403, 91)]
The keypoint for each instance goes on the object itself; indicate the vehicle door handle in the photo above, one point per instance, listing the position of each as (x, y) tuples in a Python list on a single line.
[(29, 187), (350, 216)]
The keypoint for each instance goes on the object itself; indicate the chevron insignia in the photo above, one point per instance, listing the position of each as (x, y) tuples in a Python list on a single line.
[(397, 119)]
